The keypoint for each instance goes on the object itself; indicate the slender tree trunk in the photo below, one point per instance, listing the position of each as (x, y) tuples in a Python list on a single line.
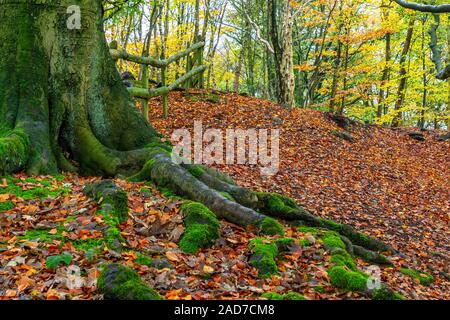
[(273, 31), (424, 80), (335, 81), (237, 73), (384, 78), (448, 81), (403, 75), (287, 83)]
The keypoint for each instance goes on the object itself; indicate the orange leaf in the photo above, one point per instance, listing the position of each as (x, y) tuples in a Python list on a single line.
[(4, 197), (172, 256)]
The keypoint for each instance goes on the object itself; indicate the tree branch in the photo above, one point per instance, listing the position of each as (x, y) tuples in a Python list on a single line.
[(258, 34), (151, 93), (442, 73), (443, 8), (117, 54)]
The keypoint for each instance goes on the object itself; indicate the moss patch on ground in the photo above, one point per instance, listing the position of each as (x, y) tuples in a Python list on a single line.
[(385, 293), (424, 278), (34, 193), (6, 205), (287, 296)]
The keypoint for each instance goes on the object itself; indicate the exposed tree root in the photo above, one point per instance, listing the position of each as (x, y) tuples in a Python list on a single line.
[(277, 206), (113, 207), (118, 282)]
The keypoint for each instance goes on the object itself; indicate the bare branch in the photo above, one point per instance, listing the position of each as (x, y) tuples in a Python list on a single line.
[(442, 73), (258, 34), (443, 8)]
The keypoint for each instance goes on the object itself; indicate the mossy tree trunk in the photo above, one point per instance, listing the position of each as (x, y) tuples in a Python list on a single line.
[(61, 90), (63, 107)]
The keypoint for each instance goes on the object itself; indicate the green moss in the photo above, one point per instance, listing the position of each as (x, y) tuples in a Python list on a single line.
[(210, 97), (343, 278), (112, 235), (53, 262), (145, 173), (332, 240), (228, 196), (14, 150), (343, 260), (119, 202), (308, 230), (168, 193), (330, 225), (196, 171), (197, 213), (287, 296), (88, 244), (304, 243), (386, 294), (33, 193), (319, 289), (59, 177), (270, 226), (202, 227), (118, 282), (143, 260), (146, 192), (6, 205), (424, 278), (196, 237), (158, 145), (42, 235), (373, 257), (283, 244), (276, 205), (263, 257)]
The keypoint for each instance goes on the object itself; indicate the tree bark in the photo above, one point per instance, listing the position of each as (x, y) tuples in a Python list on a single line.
[(287, 85), (403, 72)]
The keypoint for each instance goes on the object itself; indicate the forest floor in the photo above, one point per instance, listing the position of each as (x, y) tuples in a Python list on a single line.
[(385, 184)]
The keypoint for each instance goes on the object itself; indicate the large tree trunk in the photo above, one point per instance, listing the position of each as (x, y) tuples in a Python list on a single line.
[(61, 88), (63, 107)]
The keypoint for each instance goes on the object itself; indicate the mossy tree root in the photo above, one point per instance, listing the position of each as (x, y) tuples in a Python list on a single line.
[(202, 227), (264, 253), (113, 207), (14, 150), (117, 282), (278, 206), (344, 273), (165, 173)]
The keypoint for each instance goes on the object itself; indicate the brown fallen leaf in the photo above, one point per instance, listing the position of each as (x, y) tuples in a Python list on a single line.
[(172, 256)]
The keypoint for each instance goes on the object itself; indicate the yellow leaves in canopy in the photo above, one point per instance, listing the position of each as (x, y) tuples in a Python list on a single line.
[(304, 67)]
